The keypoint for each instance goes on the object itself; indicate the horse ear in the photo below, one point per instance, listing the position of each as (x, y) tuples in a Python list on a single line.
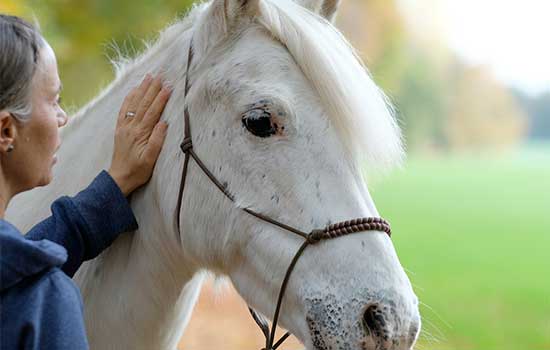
[(221, 18), (329, 9), (326, 8), (235, 10)]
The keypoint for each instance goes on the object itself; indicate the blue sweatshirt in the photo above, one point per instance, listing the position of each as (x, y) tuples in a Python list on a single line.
[(40, 306)]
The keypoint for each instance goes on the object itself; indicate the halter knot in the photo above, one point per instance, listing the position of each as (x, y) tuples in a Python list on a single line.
[(316, 236), (186, 145)]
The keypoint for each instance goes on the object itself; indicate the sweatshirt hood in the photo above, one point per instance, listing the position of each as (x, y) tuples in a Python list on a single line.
[(21, 258)]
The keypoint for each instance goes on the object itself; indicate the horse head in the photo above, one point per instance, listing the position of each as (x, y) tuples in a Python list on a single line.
[(284, 115)]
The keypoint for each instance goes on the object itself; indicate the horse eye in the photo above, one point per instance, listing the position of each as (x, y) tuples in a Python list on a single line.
[(259, 123)]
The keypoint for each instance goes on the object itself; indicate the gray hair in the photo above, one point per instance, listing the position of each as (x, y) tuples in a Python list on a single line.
[(20, 44)]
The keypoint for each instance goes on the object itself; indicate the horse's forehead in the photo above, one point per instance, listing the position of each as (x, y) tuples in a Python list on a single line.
[(258, 54)]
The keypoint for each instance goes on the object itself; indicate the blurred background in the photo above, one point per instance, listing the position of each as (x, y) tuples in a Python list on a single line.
[(470, 208)]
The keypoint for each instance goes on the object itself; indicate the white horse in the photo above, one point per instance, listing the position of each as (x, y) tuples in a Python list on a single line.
[(270, 62)]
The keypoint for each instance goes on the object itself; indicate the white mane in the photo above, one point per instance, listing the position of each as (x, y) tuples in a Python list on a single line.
[(357, 108)]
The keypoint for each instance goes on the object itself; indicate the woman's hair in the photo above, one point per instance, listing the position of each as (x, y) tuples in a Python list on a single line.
[(20, 44)]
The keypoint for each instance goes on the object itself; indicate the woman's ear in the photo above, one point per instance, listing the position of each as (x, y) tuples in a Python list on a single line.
[(8, 132)]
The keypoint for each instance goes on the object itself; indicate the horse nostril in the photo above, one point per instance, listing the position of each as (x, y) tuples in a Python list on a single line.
[(374, 320)]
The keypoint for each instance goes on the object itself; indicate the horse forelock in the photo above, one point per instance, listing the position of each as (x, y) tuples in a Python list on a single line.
[(356, 107)]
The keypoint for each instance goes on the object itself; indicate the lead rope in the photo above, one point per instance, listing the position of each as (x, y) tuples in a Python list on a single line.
[(314, 237)]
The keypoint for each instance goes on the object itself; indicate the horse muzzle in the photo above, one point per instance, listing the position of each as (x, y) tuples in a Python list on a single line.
[(363, 323)]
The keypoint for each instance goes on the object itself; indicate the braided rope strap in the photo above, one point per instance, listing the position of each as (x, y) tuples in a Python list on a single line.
[(348, 227)]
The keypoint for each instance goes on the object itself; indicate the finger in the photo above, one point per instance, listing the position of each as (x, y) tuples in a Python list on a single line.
[(138, 96), (154, 112), (125, 105), (149, 97), (154, 146)]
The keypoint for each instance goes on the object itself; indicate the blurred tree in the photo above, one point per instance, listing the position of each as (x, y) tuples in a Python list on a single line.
[(540, 121), (414, 80), (441, 102), (11, 7), (483, 113), (539, 114)]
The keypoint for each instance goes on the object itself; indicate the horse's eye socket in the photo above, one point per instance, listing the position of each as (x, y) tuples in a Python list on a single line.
[(259, 123)]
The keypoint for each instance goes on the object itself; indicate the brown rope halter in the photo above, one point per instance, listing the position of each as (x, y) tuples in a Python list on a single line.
[(311, 238)]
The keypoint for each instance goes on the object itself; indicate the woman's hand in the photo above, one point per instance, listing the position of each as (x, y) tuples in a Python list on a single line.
[(139, 135)]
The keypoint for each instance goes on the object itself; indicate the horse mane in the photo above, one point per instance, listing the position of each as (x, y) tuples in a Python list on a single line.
[(357, 108)]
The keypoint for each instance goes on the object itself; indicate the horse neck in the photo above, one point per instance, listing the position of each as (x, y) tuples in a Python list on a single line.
[(140, 292)]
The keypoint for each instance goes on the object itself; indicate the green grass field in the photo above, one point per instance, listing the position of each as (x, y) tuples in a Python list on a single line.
[(474, 236)]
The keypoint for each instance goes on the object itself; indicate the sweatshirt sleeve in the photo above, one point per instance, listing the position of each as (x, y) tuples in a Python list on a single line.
[(87, 223)]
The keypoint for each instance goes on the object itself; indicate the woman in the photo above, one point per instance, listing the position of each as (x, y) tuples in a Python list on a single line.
[(40, 306)]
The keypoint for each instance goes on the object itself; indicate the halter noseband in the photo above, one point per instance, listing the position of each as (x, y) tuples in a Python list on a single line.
[(311, 238)]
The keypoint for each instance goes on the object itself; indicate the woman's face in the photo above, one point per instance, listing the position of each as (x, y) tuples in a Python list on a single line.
[(38, 139)]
